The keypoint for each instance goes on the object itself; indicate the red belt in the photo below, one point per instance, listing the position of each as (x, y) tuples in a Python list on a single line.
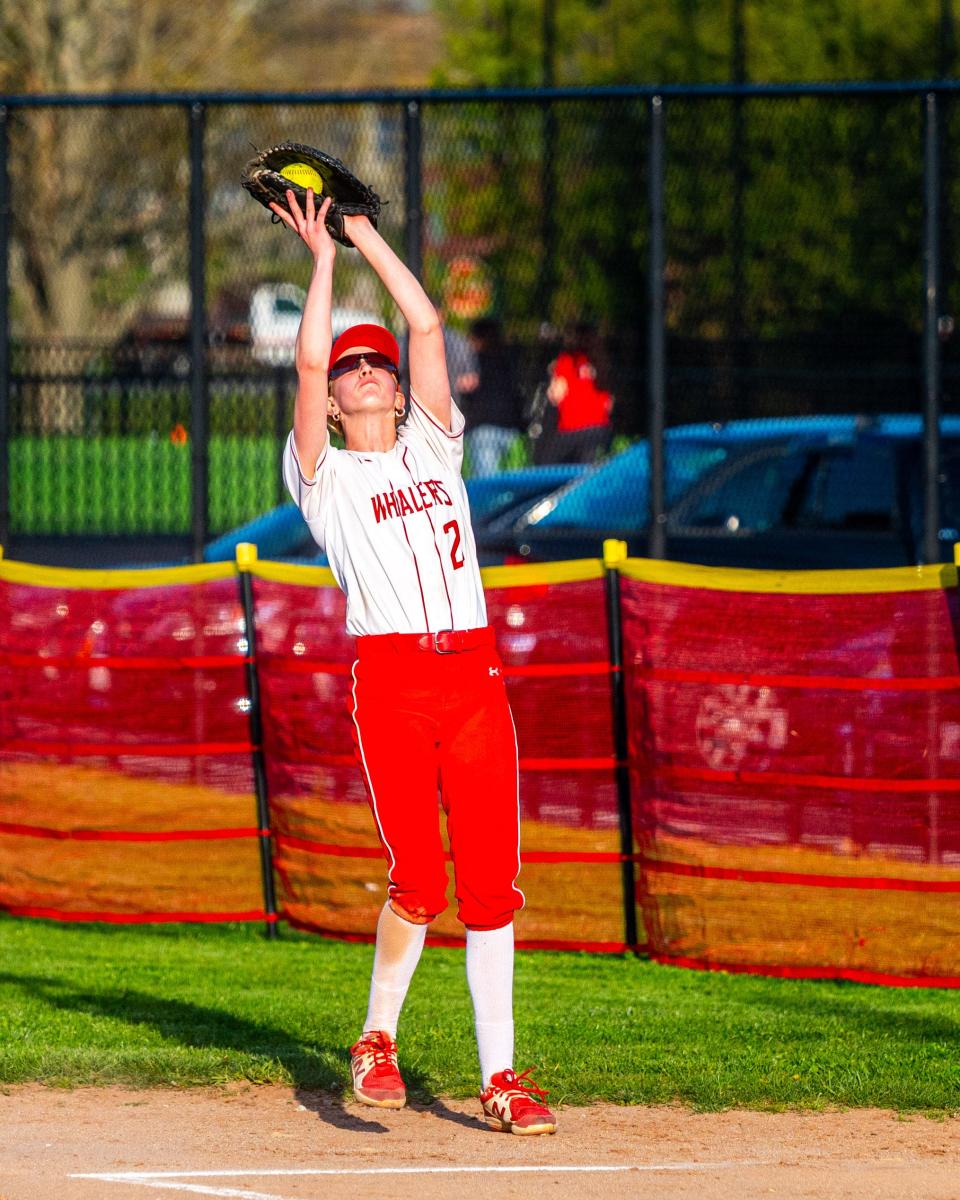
[(443, 641)]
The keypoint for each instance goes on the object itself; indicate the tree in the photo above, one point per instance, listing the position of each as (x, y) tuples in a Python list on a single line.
[(822, 236), (100, 194), (498, 42), (92, 187)]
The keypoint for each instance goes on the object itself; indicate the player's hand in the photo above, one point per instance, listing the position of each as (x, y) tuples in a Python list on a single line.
[(309, 224)]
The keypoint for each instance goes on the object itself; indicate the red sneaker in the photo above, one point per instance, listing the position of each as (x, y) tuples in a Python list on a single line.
[(376, 1077), (512, 1105)]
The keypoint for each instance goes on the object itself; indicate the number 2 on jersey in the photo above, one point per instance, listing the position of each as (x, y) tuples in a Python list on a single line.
[(455, 556)]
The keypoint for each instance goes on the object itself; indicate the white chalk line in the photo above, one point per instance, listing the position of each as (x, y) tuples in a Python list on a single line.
[(177, 1180), (197, 1189)]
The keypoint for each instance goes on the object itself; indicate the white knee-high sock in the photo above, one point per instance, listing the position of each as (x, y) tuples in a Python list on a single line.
[(399, 944), (490, 976)]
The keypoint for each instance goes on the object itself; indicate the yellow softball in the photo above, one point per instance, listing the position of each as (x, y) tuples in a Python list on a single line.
[(303, 176)]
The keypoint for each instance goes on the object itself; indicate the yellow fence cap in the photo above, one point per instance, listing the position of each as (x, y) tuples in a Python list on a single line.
[(614, 552), (246, 555)]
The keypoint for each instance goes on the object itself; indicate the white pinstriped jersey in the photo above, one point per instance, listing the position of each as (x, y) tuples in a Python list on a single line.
[(395, 527)]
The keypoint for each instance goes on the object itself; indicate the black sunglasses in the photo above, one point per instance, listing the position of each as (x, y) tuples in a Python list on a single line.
[(373, 358)]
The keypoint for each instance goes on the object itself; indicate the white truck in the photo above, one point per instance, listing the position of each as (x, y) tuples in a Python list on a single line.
[(275, 311)]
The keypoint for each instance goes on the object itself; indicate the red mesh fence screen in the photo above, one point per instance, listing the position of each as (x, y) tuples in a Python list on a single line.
[(125, 768), (330, 869), (796, 772), (794, 767)]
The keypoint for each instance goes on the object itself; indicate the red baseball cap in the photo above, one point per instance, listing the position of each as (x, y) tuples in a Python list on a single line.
[(374, 336)]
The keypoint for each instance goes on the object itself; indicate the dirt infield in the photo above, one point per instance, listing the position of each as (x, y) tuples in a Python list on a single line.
[(264, 1143)]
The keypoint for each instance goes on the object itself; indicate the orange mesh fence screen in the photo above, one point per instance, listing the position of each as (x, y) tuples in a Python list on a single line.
[(331, 871), (796, 773), (125, 767)]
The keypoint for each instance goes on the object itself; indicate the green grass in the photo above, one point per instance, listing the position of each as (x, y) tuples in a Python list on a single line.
[(104, 485), (142, 484), (206, 1005)]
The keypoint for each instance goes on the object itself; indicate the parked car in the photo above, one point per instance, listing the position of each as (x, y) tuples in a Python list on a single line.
[(282, 533), (275, 312), (801, 493), (491, 496), (260, 324), (156, 343)]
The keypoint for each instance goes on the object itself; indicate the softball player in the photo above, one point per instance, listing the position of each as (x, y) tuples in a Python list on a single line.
[(428, 703)]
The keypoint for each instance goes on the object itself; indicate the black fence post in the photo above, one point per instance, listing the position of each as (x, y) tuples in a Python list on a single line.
[(4, 326), (197, 115), (413, 196), (614, 552), (738, 170), (656, 338), (413, 186), (931, 335), (547, 282), (246, 554), (281, 428)]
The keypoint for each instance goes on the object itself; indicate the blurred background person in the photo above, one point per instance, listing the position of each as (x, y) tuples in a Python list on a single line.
[(494, 405), (584, 428), (461, 362)]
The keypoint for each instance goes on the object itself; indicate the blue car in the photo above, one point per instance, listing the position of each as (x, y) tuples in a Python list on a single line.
[(798, 493), (283, 534)]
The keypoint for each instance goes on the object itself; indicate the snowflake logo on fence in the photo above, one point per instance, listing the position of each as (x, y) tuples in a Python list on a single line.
[(737, 720)]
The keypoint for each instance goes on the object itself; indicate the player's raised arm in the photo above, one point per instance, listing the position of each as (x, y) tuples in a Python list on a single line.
[(315, 335), (428, 360)]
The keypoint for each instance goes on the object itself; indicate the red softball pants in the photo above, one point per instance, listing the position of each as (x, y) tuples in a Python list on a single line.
[(429, 725)]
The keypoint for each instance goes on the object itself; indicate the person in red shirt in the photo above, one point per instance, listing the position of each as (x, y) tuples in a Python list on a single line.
[(584, 408)]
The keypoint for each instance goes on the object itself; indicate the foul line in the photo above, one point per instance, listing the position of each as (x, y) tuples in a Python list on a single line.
[(177, 1180)]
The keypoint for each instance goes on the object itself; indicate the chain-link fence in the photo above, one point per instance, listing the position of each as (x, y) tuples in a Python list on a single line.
[(607, 263)]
